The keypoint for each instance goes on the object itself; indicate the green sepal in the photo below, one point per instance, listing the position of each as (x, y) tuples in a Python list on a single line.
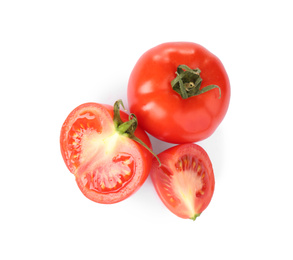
[(188, 81)]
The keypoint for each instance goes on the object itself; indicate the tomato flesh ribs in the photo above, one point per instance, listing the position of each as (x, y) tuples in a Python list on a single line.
[(110, 176), (185, 181), (108, 165)]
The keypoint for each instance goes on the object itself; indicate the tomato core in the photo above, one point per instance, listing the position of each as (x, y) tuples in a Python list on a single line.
[(189, 165), (187, 184)]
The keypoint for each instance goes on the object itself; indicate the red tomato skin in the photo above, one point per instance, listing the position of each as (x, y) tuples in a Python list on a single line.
[(160, 110), (168, 159), (142, 156)]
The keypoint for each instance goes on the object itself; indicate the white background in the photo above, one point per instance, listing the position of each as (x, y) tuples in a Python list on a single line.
[(55, 55)]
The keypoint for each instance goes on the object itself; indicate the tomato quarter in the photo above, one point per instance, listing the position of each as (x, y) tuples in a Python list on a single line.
[(185, 181), (102, 147), (179, 92)]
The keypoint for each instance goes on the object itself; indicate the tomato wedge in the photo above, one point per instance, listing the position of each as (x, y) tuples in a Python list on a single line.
[(108, 154), (185, 181)]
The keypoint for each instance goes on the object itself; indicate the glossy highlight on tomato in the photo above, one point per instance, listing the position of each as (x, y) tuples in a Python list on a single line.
[(99, 150), (185, 181), (179, 91)]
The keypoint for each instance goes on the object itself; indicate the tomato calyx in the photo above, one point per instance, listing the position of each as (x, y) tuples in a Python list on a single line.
[(128, 128), (188, 81)]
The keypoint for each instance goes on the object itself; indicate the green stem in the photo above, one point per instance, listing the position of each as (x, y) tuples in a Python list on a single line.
[(195, 216), (188, 81), (117, 119), (128, 128)]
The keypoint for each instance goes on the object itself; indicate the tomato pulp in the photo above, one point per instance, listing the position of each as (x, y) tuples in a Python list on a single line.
[(98, 148), (185, 181), (179, 92)]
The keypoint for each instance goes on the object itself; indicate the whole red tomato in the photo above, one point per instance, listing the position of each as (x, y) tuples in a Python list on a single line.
[(108, 154), (179, 92), (185, 180)]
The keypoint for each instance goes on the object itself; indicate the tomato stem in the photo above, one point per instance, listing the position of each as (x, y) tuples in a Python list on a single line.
[(188, 81), (195, 216), (128, 128)]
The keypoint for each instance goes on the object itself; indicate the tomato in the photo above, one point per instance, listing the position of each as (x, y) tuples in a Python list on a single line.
[(179, 92), (185, 181), (105, 152)]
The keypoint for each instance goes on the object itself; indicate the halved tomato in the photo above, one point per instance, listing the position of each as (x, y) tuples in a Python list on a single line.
[(185, 181), (108, 154)]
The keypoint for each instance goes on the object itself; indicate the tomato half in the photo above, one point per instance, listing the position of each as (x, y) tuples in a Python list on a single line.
[(100, 151), (179, 92), (185, 181)]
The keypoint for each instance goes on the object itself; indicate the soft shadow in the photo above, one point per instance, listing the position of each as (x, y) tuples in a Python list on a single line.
[(158, 145)]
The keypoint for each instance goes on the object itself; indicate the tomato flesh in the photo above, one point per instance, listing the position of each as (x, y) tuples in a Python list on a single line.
[(109, 176), (185, 181), (84, 125), (108, 166)]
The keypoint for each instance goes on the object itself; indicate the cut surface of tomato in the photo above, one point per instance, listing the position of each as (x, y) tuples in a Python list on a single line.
[(185, 181), (108, 165)]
